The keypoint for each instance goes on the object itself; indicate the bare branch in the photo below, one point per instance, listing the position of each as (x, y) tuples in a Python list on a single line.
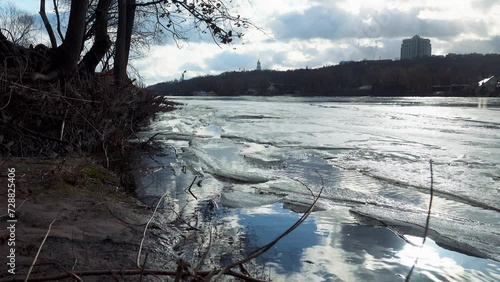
[(265, 248), (39, 249), (48, 27), (427, 222), (149, 3), (146, 229), (56, 9)]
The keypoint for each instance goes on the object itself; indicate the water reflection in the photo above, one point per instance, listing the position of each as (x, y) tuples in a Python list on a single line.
[(326, 247), (482, 103), (438, 264), (370, 152)]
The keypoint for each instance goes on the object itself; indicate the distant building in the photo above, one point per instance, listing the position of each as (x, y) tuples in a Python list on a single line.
[(258, 66), (415, 47)]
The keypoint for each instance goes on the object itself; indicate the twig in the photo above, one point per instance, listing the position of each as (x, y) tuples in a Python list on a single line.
[(76, 277), (5, 215), (58, 20), (427, 221), (146, 229), (143, 267), (184, 221), (105, 148), (48, 27), (265, 248), (63, 125), (151, 139), (189, 188), (128, 272), (48, 93), (123, 220), (179, 271), (210, 275), (33, 133), (204, 256), (39, 249), (8, 102)]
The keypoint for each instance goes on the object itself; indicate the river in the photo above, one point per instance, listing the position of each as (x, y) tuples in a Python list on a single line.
[(254, 156)]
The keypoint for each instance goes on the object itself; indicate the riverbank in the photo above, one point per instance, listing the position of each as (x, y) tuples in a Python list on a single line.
[(96, 225)]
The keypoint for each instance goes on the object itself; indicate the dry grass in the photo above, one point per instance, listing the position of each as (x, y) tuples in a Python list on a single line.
[(46, 119)]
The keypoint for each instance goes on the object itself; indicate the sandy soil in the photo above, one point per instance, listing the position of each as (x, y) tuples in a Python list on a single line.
[(98, 226)]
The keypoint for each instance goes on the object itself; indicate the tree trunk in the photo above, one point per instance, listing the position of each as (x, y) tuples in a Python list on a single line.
[(65, 57), (130, 26), (102, 43), (120, 62)]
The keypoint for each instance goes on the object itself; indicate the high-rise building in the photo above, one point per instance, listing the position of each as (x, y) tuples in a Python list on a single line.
[(258, 65), (415, 47)]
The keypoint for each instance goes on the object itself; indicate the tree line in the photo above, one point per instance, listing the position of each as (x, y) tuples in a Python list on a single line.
[(380, 78)]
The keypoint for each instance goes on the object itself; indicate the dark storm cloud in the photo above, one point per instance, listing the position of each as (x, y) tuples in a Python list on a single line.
[(335, 23)]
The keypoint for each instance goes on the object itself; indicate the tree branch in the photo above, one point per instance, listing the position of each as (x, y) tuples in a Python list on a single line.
[(47, 25), (427, 222), (149, 3), (39, 249), (265, 248), (58, 20)]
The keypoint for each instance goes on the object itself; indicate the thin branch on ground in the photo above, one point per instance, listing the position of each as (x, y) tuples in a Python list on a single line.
[(123, 220), (39, 249), (143, 267), (427, 222), (146, 229), (18, 207)]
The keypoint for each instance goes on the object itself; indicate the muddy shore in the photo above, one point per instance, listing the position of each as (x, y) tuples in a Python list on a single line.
[(98, 226)]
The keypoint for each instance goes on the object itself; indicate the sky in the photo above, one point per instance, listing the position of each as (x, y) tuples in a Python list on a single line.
[(314, 33)]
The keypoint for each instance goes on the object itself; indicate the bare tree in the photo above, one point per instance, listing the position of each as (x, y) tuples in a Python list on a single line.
[(104, 28), (17, 25)]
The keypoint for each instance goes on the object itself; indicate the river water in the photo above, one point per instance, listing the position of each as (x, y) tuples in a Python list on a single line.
[(254, 161)]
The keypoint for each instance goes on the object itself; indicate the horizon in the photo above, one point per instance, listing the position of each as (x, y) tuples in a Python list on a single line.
[(300, 33), (175, 80)]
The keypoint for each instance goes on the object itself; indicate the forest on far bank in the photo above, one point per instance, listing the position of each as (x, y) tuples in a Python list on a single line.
[(450, 75)]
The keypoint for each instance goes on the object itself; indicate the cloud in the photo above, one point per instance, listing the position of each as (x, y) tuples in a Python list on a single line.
[(485, 5), (231, 60), (487, 46), (332, 22)]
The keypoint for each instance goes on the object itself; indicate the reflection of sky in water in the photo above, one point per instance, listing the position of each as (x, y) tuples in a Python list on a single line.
[(265, 227), (438, 264), (327, 248)]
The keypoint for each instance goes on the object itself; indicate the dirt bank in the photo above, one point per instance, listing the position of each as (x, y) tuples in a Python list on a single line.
[(97, 226)]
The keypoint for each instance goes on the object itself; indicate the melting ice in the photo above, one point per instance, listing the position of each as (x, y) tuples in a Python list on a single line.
[(372, 156)]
